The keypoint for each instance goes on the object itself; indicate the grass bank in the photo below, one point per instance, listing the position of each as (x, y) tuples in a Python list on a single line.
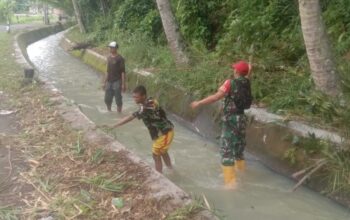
[(29, 19), (25, 19)]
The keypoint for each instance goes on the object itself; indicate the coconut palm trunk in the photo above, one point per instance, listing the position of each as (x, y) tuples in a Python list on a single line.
[(318, 48), (172, 32), (46, 14), (103, 7), (78, 16)]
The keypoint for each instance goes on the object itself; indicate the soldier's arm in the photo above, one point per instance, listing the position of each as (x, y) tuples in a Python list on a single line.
[(249, 75), (208, 100)]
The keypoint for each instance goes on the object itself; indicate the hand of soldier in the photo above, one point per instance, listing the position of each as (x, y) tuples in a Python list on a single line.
[(249, 71), (194, 105)]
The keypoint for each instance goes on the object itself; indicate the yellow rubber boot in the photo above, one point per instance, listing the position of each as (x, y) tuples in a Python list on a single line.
[(229, 177), (240, 165)]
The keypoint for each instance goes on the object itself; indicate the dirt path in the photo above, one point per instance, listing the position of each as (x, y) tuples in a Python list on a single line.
[(12, 162)]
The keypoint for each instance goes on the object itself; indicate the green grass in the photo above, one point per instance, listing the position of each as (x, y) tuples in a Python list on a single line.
[(8, 213), (97, 157), (31, 19), (73, 206), (337, 172), (76, 36), (109, 184), (45, 184), (186, 212), (10, 72), (190, 210), (79, 148)]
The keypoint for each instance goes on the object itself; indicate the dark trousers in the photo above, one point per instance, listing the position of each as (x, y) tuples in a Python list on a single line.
[(113, 89)]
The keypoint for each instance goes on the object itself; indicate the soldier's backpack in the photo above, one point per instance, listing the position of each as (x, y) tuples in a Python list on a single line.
[(242, 94)]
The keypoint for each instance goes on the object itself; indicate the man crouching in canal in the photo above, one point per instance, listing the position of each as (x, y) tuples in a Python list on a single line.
[(114, 83), (237, 97), (160, 128)]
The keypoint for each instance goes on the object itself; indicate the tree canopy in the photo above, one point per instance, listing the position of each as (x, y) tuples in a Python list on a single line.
[(6, 9)]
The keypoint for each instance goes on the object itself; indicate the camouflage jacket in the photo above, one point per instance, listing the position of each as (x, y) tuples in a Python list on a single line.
[(154, 117)]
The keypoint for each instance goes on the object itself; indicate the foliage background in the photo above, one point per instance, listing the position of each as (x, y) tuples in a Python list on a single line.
[(219, 32)]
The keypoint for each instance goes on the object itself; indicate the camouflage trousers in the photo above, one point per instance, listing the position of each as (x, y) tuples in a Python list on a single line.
[(233, 138)]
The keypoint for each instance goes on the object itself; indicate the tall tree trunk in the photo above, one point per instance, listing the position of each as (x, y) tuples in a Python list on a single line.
[(172, 33), (78, 16), (318, 48), (8, 16), (8, 25), (103, 7), (46, 14)]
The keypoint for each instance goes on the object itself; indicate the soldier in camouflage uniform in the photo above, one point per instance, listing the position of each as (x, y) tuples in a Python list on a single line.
[(160, 128), (233, 123)]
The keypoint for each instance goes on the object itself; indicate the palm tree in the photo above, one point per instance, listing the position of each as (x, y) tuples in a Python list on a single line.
[(103, 7), (78, 16), (318, 48), (172, 33), (46, 13)]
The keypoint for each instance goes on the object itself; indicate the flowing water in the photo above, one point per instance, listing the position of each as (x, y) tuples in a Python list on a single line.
[(261, 193)]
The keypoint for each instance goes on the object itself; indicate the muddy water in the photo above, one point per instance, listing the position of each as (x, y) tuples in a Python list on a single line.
[(261, 193)]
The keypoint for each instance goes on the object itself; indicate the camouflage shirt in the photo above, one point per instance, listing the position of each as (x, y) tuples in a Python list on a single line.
[(154, 117)]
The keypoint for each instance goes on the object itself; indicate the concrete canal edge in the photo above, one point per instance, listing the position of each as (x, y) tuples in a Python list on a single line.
[(160, 188), (268, 135)]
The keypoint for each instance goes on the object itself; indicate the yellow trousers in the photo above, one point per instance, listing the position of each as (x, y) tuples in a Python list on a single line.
[(162, 143)]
